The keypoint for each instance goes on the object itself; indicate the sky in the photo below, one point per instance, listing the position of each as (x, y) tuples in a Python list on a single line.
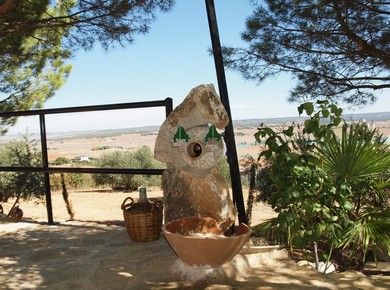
[(169, 61)]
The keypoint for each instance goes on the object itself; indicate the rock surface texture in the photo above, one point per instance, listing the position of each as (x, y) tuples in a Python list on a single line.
[(188, 142)]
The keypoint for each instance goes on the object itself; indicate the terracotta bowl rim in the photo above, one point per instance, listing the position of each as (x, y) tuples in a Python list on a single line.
[(205, 237)]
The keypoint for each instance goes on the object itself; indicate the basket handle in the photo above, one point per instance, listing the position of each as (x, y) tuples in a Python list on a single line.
[(157, 206), (124, 205)]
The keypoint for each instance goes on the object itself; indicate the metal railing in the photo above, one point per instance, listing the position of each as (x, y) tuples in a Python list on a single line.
[(46, 170)]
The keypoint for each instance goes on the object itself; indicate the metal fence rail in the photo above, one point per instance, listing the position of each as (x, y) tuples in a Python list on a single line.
[(167, 103)]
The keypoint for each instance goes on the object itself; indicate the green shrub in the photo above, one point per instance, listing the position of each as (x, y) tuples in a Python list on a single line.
[(333, 191), (101, 148), (73, 181), (61, 161), (21, 185), (140, 159)]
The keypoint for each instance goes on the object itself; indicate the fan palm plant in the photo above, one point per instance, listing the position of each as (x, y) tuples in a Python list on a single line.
[(360, 159)]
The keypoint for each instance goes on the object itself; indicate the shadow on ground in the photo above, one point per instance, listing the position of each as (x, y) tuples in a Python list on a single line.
[(100, 255)]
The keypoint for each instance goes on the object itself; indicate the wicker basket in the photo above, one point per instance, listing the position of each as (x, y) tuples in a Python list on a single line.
[(143, 219)]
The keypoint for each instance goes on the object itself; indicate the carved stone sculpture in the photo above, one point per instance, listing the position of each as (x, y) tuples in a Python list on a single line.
[(189, 143)]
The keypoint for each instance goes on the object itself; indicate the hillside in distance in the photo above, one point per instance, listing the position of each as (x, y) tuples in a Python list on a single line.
[(369, 117), (147, 130), (94, 143), (153, 130), (248, 123)]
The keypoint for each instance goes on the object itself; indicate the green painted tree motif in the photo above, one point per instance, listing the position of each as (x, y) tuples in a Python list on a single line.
[(181, 134), (212, 134)]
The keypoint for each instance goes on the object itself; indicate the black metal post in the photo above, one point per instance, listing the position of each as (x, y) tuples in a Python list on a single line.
[(229, 132), (45, 164), (168, 106)]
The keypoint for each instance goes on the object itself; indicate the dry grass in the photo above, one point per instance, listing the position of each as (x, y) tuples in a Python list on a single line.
[(103, 206)]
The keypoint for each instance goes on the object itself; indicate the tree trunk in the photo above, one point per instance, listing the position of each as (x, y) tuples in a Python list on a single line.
[(251, 194), (65, 195), (14, 205)]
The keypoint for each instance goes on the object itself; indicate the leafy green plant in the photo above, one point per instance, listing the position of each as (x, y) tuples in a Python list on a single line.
[(142, 158), (101, 148), (331, 190), (61, 161), (361, 160), (21, 185)]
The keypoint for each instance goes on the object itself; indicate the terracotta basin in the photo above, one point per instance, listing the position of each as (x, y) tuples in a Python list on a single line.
[(199, 241)]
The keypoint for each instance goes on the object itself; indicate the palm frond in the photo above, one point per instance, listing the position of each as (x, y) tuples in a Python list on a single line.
[(370, 232), (357, 155), (270, 230)]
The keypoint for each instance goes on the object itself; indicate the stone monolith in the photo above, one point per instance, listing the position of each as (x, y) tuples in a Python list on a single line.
[(191, 146)]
